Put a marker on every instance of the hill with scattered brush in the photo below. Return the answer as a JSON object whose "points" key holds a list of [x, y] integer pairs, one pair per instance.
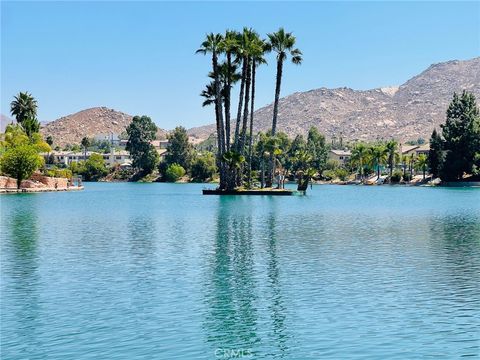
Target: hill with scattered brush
{"points": [[404, 112], [72, 128]]}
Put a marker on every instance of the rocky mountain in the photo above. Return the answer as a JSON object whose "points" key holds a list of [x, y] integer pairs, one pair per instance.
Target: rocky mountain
{"points": [[72, 128], [405, 112]]}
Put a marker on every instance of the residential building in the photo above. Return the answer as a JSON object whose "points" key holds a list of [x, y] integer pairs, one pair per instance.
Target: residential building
{"points": [[340, 156]]}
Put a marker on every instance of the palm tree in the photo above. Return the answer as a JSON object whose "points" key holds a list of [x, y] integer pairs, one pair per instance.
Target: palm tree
{"points": [[85, 143], [212, 45], [391, 148], [282, 43], [229, 47], [23, 106], [257, 60], [360, 157], [378, 157], [422, 163], [209, 94]]}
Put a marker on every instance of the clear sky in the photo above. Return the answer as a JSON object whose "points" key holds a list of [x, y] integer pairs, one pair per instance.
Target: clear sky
{"points": [[138, 57]]}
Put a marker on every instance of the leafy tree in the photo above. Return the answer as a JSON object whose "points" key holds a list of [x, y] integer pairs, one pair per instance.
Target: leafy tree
{"points": [[435, 155], [24, 106], [174, 172], [203, 167], [462, 137], [31, 126], [360, 157], [141, 131], [179, 150], [94, 168], [49, 140], [318, 149], [20, 162], [391, 149]]}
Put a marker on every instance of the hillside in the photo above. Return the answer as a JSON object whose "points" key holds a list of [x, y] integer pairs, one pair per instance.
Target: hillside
{"points": [[406, 112], [72, 128]]}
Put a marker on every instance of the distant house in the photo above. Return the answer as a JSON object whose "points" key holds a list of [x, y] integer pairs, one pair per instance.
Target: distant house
{"points": [[416, 150], [68, 157], [159, 144], [340, 156], [113, 139]]}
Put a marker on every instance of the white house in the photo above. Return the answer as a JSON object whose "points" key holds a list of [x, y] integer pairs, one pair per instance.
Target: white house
{"points": [[340, 156]]}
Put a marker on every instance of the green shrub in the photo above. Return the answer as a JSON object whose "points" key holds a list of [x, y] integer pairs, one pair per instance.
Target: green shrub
{"points": [[203, 167], [174, 172], [341, 173], [407, 177], [329, 174], [396, 176], [61, 173]]}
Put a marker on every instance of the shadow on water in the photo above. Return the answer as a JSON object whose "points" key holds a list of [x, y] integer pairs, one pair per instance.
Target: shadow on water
{"points": [[231, 321], [20, 246]]}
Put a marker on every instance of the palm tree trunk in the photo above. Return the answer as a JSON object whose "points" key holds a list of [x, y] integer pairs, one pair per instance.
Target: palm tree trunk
{"points": [[252, 108], [245, 108], [240, 104], [274, 120], [378, 171], [219, 123], [227, 101]]}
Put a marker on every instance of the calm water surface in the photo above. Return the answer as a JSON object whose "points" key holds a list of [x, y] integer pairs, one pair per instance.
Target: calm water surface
{"points": [[142, 271]]}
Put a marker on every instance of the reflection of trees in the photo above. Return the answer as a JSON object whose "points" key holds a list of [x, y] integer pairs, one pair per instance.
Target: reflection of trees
{"points": [[232, 319], [458, 239], [19, 245], [277, 309]]}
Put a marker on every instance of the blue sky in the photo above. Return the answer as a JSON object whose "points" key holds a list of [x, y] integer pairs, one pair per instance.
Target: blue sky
{"points": [[138, 57]]}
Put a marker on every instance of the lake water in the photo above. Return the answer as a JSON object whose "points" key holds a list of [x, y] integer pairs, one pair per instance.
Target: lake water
{"points": [[143, 271]]}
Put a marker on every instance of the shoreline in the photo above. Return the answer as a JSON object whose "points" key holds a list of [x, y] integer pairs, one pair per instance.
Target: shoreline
{"points": [[38, 190]]}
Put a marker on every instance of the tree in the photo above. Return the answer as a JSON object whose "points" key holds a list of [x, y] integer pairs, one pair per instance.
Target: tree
{"points": [[141, 131], [282, 43], [85, 144], [213, 45], [461, 133], [24, 106], [422, 163], [391, 149], [49, 140], [203, 167], [360, 157], [179, 150], [174, 172], [317, 148], [378, 157], [435, 155], [94, 168], [21, 162]]}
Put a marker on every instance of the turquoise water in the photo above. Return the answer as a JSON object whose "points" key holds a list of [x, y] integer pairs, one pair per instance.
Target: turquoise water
{"points": [[143, 271]]}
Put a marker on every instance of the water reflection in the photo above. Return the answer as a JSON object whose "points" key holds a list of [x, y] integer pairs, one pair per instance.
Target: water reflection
{"points": [[231, 321], [20, 246]]}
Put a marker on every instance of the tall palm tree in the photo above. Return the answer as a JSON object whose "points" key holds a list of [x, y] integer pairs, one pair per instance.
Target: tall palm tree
{"points": [[229, 47], [212, 45], [282, 43], [85, 143], [378, 157], [391, 148], [23, 106], [209, 94], [257, 60]]}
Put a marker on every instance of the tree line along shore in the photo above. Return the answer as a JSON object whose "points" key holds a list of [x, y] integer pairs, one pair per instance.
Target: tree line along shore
{"points": [[234, 156]]}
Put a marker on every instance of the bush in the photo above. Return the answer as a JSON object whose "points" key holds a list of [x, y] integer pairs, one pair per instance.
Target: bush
{"points": [[396, 176], [407, 177], [341, 173], [329, 174], [203, 167], [174, 172], [61, 173]]}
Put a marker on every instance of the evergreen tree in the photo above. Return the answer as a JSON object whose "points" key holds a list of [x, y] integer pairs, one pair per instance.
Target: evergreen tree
{"points": [[179, 150], [317, 148], [462, 137], [435, 155], [141, 131]]}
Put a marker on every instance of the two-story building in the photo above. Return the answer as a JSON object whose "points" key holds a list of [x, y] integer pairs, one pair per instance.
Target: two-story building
{"points": [[340, 156]]}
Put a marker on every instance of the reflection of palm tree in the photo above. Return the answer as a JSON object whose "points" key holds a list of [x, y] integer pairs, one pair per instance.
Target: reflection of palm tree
{"points": [[231, 291]]}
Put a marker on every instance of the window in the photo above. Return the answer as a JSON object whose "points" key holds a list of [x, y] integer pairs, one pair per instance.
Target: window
{"points": [[118, 157]]}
